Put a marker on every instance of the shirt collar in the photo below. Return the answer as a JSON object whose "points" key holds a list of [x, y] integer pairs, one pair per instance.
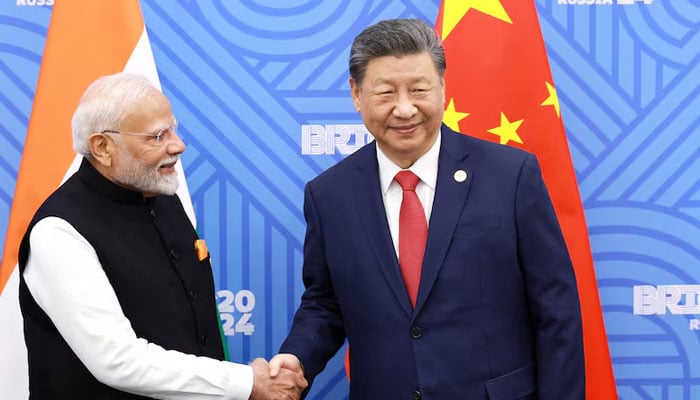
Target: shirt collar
{"points": [[425, 167]]}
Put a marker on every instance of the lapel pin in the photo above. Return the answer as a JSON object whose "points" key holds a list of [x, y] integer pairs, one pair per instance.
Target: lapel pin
{"points": [[460, 175]]}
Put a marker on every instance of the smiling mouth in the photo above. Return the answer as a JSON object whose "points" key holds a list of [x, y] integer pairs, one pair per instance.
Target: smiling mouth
{"points": [[169, 165], [405, 129]]}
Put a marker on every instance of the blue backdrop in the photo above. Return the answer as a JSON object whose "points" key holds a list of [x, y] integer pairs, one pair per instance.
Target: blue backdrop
{"points": [[260, 89]]}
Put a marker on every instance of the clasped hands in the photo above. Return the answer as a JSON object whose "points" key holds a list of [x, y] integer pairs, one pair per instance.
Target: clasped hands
{"points": [[280, 379]]}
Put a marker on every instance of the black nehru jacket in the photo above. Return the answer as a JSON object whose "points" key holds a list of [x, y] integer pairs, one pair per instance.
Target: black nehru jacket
{"points": [[146, 248]]}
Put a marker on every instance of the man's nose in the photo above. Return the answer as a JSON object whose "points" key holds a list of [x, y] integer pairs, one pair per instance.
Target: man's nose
{"points": [[404, 107], [175, 145]]}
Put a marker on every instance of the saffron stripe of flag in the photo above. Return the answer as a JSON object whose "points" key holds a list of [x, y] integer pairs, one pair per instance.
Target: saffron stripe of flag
{"points": [[499, 87], [85, 39]]}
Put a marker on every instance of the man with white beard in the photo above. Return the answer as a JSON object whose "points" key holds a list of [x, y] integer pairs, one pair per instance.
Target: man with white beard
{"points": [[116, 289]]}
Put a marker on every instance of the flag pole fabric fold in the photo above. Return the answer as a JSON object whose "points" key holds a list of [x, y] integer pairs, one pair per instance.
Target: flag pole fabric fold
{"points": [[85, 39], [499, 87]]}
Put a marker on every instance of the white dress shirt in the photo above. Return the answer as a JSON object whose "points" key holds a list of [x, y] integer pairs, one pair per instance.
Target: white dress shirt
{"points": [[425, 168], [65, 278]]}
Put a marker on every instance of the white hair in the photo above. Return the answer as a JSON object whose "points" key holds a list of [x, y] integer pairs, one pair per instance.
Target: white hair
{"points": [[105, 104]]}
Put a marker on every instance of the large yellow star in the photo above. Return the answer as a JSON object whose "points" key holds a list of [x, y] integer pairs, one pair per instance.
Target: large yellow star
{"points": [[452, 117], [508, 130], [456, 9], [553, 99]]}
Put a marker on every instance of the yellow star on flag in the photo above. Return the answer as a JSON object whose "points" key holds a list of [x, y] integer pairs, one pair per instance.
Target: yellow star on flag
{"points": [[456, 9], [452, 117], [508, 130], [553, 99]]}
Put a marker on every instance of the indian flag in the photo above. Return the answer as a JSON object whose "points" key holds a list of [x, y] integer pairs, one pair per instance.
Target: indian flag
{"points": [[86, 39]]}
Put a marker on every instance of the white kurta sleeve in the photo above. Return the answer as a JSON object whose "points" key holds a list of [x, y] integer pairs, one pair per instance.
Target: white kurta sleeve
{"points": [[65, 278]]}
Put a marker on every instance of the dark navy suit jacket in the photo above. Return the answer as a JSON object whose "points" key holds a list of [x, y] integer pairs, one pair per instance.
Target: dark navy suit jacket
{"points": [[497, 314]]}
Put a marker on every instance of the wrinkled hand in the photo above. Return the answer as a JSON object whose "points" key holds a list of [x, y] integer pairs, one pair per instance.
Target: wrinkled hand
{"points": [[287, 383]]}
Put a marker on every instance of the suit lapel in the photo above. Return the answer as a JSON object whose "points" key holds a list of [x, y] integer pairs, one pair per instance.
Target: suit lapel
{"points": [[450, 196], [372, 215]]}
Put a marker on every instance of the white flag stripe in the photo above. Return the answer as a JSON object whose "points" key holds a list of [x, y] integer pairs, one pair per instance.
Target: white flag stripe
{"points": [[142, 62]]}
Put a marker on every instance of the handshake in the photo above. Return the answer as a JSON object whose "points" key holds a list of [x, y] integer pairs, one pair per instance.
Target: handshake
{"points": [[280, 379]]}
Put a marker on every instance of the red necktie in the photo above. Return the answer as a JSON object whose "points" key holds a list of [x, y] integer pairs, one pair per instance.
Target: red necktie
{"points": [[413, 233]]}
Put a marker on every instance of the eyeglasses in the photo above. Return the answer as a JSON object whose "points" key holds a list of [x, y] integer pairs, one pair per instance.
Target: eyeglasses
{"points": [[156, 139]]}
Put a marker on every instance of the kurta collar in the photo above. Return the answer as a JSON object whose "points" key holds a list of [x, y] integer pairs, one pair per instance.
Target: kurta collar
{"points": [[96, 181]]}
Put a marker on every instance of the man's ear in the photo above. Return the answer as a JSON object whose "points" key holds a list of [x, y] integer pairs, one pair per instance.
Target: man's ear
{"points": [[442, 89], [355, 93], [101, 148]]}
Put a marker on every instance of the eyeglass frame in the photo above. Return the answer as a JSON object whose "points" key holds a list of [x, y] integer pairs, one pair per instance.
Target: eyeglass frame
{"points": [[158, 135]]}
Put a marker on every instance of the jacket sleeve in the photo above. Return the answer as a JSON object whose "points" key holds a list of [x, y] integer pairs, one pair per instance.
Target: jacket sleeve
{"points": [[317, 330], [551, 290]]}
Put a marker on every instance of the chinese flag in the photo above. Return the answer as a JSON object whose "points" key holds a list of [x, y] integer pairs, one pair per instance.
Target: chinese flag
{"points": [[85, 39], [499, 88]]}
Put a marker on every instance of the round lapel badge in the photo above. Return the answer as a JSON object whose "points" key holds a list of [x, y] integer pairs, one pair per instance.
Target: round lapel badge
{"points": [[460, 175]]}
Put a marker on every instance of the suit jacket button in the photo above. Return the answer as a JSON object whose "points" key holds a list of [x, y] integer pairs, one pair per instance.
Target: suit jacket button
{"points": [[416, 332], [417, 395]]}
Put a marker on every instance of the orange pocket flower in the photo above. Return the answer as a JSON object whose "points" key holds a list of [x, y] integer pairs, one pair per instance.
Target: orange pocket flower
{"points": [[201, 247]]}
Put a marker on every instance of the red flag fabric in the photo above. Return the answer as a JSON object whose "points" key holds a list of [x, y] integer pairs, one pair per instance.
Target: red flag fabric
{"points": [[499, 87]]}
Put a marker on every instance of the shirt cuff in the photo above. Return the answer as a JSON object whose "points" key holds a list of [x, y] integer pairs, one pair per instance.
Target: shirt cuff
{"points": [[240, 381]]}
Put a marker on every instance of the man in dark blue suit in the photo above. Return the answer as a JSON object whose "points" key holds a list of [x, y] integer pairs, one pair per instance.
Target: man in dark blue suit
{"points": [[492, 310]]}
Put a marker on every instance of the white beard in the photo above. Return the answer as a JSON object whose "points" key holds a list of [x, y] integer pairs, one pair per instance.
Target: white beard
{"points": [[131, 173]]}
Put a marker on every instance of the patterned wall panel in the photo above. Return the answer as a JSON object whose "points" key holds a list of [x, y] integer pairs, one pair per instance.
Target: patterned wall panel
{"points": [[22, 36], [249, 81], [629, 78]]}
